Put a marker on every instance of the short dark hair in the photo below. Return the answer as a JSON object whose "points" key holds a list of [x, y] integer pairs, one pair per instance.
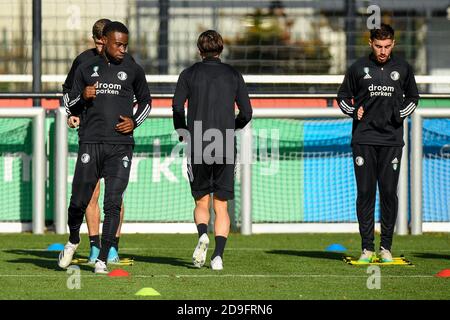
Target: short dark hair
{"points": [[115, 26], [384, 32], [210, 43], [97, 28]]}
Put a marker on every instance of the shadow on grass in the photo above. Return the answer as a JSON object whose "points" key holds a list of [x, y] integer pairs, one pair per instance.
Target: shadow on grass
{"points": [[49, 259], [173, 261], [310, 254], [426, 255], [37, 253], [43, 259]]}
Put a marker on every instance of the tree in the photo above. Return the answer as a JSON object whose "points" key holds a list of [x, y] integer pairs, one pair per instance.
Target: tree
{"points": [[265, 47]]}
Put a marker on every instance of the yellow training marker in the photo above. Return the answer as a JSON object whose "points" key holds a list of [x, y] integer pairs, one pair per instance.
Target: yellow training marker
{"points": [[399, 261], [147, 292], [123, 262]]}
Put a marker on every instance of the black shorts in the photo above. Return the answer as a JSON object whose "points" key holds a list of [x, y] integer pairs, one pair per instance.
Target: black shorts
{"points": [[212, 178], [96, 161], [101, 160]]}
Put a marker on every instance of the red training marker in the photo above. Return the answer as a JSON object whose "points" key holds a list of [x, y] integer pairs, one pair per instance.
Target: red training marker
{"points": [[443, 273], [118, 273]]}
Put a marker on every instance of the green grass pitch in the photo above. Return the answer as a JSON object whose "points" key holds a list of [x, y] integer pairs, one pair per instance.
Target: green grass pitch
{"points": [[266, 267]]}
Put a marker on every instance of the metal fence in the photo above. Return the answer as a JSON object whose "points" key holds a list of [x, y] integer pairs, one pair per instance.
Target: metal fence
{"points": [[415, 200], [60, 190], [262, 37]]}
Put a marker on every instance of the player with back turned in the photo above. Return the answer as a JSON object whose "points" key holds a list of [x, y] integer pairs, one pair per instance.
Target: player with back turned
{"points": [[211, 88]]}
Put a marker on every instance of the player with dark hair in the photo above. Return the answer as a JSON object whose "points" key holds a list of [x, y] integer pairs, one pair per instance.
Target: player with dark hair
{"points": [[379, 91], [211, 89], [104, 85], [93, 209]]}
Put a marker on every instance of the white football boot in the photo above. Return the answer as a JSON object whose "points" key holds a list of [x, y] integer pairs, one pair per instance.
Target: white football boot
{"points": [[100, 267], [386, 255], [367, 256], [217, 263], [66, 256], [199, 256]]}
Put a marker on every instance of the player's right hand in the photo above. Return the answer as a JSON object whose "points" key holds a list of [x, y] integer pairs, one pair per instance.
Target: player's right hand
{"points": [[360, 113], [73, 122], [89, 92]]}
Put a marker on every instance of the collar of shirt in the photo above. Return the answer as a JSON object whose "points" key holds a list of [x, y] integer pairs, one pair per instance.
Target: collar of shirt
{"points": [[211, 59]]}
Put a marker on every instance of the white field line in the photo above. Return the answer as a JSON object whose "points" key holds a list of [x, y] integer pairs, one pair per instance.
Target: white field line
{"points": [[429, 250], [64, 275]]}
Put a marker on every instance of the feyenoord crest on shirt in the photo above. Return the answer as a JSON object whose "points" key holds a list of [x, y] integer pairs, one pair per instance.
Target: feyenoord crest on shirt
{"points": [[122, 75], [395, 75], [366, 71]]}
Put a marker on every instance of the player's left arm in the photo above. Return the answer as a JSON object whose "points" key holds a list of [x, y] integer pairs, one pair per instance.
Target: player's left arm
{"points": [[411, 99], [179, 99], [142, 102], [142, 96], [243, 102]]}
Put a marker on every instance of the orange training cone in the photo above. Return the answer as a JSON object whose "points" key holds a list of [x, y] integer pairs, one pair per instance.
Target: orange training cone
{"points": [[118, 273], [443, 273]]}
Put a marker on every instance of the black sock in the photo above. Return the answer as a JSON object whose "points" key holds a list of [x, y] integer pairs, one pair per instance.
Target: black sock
{"points": [[116, 243], [202, 228], [74, 236], [220, 247], [94, 241]]}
